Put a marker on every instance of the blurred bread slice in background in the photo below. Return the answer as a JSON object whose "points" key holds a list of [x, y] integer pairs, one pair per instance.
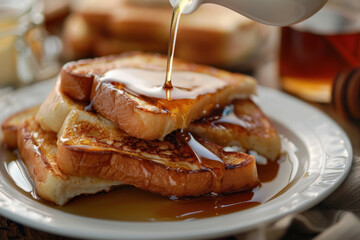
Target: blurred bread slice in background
{"points": [[212, 35], [55, 13]]}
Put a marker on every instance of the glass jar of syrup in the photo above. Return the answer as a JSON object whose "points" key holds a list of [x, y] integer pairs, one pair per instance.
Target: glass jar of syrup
{"points": [[313, 52], [26, 52]]}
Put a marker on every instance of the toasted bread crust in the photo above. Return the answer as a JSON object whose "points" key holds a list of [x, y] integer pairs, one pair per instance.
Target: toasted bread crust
{"points": [[77, 76], [92, 146], [38, 150], [254, 131], [9, 136], [36, 163], [10, 126], [140, 123], [78, 86], [154, 177]]}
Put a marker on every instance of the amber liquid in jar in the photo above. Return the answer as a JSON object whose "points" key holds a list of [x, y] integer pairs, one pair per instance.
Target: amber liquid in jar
{"points": [[309, 62]]}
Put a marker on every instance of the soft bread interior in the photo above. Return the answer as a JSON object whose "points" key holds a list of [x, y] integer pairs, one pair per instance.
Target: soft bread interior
{"points": [[55, 108]]}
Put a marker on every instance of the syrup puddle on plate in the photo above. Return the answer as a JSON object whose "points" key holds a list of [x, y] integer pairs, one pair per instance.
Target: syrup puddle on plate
{"points": [[127, 203]]}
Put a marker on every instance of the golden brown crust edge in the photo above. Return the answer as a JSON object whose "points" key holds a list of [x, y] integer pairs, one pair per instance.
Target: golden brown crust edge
{"points": [[33, 160], [257, 132], [38, 151], [9, 136], [11, 124], [122, 111], [75, 85], [78, 85], [153, 177]]}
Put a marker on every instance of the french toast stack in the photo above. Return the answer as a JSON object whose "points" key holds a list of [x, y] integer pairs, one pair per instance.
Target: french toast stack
{"points": [[94, 132], [212, 35]]}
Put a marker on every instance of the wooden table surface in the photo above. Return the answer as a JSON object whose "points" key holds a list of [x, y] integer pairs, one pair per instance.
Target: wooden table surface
{"points": [[11, 230]]}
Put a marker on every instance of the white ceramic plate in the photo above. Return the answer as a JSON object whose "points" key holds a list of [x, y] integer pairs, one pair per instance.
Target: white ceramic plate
{"points": [[324, 159]]}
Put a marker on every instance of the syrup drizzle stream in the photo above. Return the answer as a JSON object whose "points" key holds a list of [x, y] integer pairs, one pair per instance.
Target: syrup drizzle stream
{"points": [[18, 172], [206, 159], [178, 9]]}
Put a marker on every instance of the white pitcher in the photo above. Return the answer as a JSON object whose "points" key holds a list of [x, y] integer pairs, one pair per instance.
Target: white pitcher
{"points": [[271, 12]]}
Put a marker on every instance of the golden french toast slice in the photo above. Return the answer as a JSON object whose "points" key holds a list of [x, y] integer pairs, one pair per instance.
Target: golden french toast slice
{"points": [[240, 124], [245, 125], [10, 126], [181, 165], [38, 150], [128, 91]]}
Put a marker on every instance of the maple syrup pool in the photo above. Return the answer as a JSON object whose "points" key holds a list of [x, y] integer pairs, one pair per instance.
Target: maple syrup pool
{"points": [[127, 203]]}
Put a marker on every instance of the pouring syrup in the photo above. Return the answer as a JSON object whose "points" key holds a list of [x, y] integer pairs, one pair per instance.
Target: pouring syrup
{"points": [[178, 9]]}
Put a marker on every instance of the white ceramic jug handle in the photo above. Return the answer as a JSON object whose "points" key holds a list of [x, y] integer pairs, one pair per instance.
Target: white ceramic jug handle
{"points": [[271, 12]]}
